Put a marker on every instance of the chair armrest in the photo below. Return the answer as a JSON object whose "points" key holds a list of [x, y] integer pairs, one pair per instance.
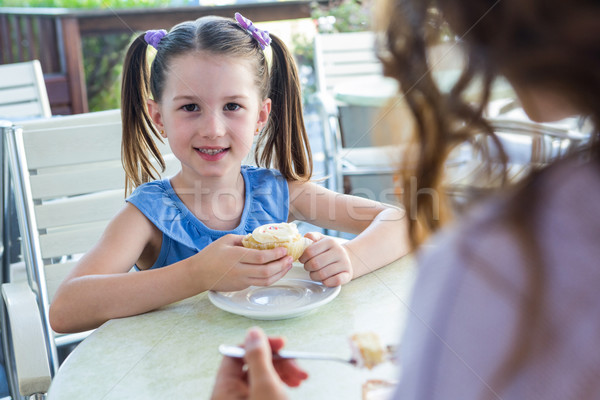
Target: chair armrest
{"points": [[29, 346]]}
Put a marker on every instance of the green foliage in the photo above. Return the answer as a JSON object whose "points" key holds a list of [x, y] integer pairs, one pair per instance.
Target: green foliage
{"points": [[103, 63], [342, 16]]}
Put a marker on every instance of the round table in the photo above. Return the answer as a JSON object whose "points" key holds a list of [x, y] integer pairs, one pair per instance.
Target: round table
{"points": [[171, 353]]}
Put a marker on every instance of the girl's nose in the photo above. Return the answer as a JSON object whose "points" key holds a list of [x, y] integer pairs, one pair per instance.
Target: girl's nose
{"points": [[213, 126]]}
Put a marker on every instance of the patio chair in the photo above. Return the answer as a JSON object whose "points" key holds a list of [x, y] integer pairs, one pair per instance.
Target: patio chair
{"points": [[23, 91], [68, 183], [528, 145], [349, 151], [347, 69]]}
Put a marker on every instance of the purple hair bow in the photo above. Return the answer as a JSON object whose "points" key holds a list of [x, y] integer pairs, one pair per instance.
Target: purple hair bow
{"points": [[262, 37], [153, 37]]}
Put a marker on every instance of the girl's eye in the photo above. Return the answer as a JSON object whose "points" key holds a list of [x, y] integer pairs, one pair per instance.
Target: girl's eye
{"points": [[231, 106], [191, 107]]}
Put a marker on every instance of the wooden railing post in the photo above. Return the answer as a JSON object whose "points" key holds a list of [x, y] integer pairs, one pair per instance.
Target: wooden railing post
{"points": [[73, 58]]}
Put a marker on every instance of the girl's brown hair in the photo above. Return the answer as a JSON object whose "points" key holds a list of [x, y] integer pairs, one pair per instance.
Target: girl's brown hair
{"points": [[550, 44], [283, 143]]}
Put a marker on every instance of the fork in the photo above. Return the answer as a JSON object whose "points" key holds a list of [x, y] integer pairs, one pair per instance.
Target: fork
{"points": [[239, 352]]}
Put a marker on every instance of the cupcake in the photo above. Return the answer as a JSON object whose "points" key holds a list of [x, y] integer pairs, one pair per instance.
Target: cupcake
{"points": [[271, 236]]}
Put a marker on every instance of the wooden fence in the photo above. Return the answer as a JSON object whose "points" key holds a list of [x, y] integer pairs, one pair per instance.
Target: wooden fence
{"points": [[54, 36]]}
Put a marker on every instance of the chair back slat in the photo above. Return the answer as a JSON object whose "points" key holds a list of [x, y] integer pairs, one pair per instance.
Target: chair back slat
{"points": [[88, 179], [17, 74], [78, 181], [63, 146], [19, 94], [76, 210], [20, 110], [23, 92], [74, 241], [348, 41], [342, 56]]}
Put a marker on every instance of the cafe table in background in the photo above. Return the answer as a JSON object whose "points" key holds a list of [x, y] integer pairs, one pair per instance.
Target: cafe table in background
{"points": [[172, 353]]}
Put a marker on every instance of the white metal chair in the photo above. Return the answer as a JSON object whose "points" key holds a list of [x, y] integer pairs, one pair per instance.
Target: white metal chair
{"points": [[23, 91], [527, 145], [350, 153], [68, 183]]}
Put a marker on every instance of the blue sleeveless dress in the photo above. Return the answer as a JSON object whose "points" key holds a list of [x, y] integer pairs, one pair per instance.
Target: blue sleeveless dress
{"points": [[266, 201]]}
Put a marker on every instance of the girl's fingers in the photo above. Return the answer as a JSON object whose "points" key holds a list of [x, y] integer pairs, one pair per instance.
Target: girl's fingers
{"points": [[322, 261], [322, 274], [270, 273], [315, 249], [337, 279], [233, 240], [314, 236], [261, 257]]}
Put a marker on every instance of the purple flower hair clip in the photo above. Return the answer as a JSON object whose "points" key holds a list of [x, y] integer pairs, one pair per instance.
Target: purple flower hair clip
{"points": [[153, 37], [262, 37]]}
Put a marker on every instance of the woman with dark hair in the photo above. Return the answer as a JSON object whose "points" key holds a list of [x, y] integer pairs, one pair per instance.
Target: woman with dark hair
{"points": [[507, 302]]}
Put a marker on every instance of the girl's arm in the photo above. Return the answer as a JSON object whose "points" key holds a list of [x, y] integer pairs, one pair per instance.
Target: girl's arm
{"points": [[100, 287], [382, 232]]}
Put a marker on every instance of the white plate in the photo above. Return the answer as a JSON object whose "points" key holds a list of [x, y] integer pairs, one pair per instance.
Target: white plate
{"points": [[293, 295]]}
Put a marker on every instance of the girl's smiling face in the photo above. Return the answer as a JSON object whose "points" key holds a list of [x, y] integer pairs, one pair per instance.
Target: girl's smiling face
{"points": [[210, 111]]}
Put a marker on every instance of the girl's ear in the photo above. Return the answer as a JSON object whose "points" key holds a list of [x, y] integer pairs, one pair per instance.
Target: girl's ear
{"points": [[263, 114], [154, 111]]}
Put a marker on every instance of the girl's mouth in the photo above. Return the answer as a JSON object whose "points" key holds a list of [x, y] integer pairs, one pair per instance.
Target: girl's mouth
{"points": [[212, 154]]}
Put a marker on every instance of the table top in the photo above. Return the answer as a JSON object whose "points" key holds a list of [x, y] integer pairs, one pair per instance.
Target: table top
{"points": [[367, 91], [377, 90], [172, 352]]}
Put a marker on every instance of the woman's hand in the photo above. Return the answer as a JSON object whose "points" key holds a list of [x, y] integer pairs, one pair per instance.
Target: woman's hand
{"points": [[225, 265], [327, 260], [264, 378]]}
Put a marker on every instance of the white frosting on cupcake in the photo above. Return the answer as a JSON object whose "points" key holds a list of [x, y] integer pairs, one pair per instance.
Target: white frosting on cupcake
{"points": [[281, 232]]}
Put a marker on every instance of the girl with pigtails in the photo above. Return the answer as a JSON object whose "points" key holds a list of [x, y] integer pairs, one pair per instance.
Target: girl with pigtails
{"points": [[210, 90]]}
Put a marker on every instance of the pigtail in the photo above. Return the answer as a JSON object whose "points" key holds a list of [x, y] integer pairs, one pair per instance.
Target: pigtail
{"points": [[138, 131], [285, 141]]}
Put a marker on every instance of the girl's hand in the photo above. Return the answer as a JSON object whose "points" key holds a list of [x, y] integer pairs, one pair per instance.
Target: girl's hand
{"points": [[327, 260], [225, 265], [264, 378]]}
